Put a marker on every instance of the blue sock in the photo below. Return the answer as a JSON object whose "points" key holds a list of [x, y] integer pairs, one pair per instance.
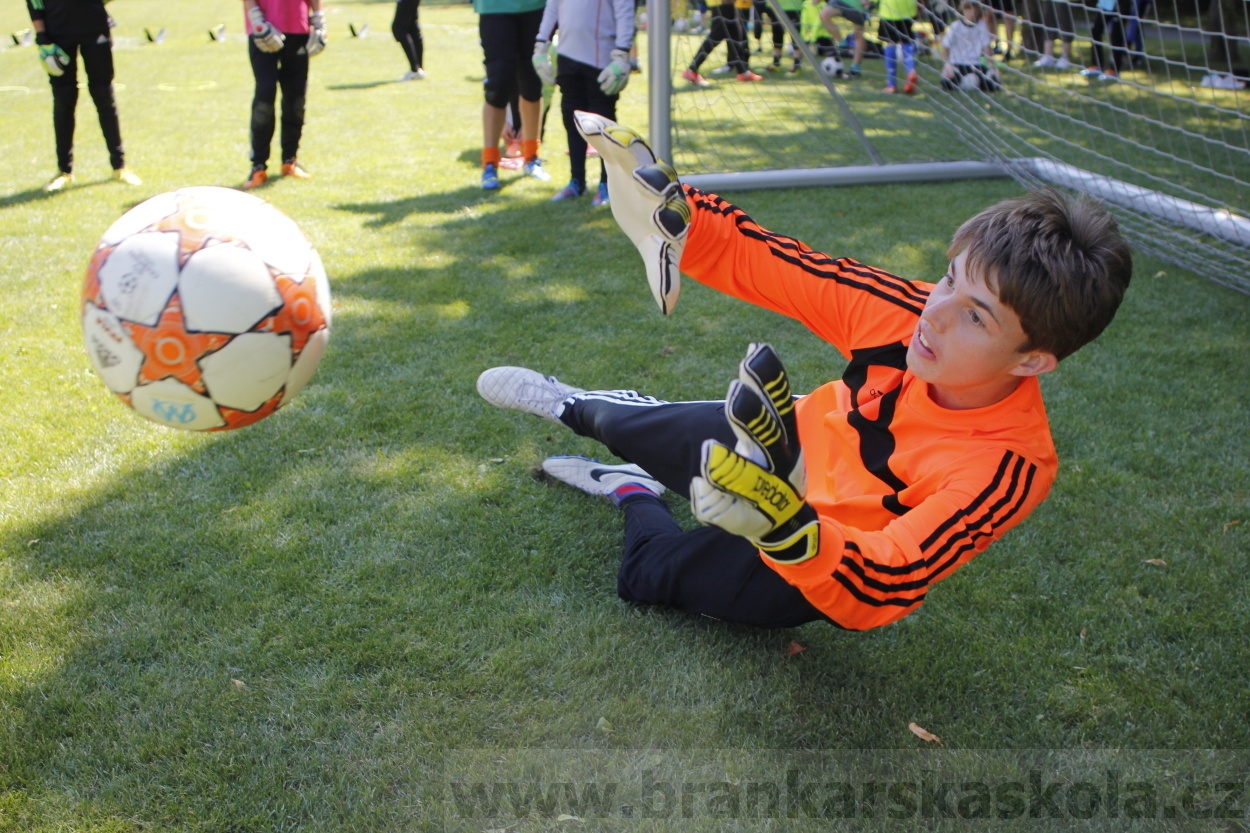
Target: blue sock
{"points": [[628, 490], [909, 57], [891, 64]]}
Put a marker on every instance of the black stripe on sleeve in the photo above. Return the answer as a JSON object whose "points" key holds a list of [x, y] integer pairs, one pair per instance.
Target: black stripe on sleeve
{"points": [[869, 600]]}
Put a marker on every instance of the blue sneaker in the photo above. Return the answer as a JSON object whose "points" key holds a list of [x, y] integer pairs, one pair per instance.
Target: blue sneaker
{"points": [[571, 191], [490, 177], [601, 196], [534, 168]]}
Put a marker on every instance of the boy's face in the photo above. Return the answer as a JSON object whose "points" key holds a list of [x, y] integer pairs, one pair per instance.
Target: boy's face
{"points": [[967, 343]]}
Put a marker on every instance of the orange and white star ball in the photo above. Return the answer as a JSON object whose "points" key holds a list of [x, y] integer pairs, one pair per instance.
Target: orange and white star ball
{"points": [[205, 309]]}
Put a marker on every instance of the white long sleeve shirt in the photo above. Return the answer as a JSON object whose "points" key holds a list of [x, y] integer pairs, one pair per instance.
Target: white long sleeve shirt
{"points": [[589, 29]]}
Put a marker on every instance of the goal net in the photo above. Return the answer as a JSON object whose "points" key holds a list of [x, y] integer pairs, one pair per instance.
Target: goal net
{"points": [[1158, 129]]}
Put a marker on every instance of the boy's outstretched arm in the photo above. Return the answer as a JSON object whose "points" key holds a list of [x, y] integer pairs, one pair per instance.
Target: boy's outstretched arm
{"points": [[845, 302], [680, 229]]}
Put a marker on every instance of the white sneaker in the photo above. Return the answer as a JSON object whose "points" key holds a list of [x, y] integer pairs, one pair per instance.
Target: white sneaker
{"points": [[535, 169], [594, 478], [521, 389], [126, 177], [1063, 63], [413, 75], [59, 182], [647, 202], [1044, 62]]}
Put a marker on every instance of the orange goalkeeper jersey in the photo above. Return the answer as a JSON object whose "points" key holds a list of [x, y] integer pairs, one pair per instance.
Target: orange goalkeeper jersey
{"points": [[906, 491]]}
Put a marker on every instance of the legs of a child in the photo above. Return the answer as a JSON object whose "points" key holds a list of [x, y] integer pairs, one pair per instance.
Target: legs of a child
{"points": [[579, 90], [706, 570], [664, 438], [892, 33]]}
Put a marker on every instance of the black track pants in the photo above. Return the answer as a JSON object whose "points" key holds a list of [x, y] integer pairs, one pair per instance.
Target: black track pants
{"points": [[579, 90], [97, 59], [706, 570], [288, 69], [407, 30]]}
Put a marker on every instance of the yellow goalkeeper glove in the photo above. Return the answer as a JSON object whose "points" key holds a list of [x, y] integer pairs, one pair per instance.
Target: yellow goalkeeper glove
{"points": [[757, 489]]}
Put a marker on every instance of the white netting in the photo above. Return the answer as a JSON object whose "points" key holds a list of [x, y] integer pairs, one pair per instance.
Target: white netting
{"points": [[1160, 130]]}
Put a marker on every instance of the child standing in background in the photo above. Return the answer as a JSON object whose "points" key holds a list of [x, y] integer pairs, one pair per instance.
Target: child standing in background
{"points": [[792, 10], [592, 67], [895, 30], [1109, 20], [407, 30]]}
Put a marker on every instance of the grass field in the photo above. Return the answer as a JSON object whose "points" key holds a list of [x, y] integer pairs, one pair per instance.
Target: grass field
{"points": [[302, 625]]}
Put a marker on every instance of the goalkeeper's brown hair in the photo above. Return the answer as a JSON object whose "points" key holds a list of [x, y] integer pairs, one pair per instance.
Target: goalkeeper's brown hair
{"points": [[1059, 262]]}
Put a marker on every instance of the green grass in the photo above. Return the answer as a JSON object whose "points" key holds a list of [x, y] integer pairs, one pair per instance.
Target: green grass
{"points": [[297, 625]]}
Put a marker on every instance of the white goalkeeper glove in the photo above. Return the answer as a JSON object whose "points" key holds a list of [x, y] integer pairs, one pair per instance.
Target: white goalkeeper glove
{"points": [[542, 62], [647, 202], [614, 77], [757, 489], [53, 57], [316, 33], [262, 32]]}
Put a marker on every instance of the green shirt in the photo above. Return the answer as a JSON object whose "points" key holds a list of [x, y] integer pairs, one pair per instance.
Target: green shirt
{"points": [[507, 6], [897, 9]]}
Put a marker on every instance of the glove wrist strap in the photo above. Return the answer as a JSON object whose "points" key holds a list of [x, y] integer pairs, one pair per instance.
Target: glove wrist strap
{"points": [[797, 541]]}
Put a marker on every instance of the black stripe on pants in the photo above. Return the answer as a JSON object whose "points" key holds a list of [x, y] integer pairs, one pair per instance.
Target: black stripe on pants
{"points": [[287, 69], [706, 571], [579, 90], [97, 59], [407, 30]]}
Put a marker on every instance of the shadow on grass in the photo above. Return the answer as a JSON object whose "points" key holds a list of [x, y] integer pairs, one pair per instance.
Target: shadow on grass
{"points": [[455, 203], [300, 620], [310, 612], [35, 194], [364, 85], [23, 197]]}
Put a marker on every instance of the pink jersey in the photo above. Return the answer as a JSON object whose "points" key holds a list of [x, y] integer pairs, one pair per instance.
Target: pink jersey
{"points": [[289, 17]]}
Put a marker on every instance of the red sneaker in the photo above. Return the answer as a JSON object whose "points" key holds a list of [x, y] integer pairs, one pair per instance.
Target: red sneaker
{"points": [[909, 88], [293, 170], [749, 76], [258, 177], [695, 78]]}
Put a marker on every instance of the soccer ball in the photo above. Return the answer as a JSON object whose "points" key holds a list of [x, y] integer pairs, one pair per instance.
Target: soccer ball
{"points": [[681, 25], [831, 67], [205, 309]]}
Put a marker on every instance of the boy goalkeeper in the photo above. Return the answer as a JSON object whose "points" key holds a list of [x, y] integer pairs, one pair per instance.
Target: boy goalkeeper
{"points": [[848, 503]]}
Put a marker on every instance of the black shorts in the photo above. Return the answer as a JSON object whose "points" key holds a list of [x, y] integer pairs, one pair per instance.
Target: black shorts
{"points": [[1002, 6], [507, 45], [895, 31]]}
